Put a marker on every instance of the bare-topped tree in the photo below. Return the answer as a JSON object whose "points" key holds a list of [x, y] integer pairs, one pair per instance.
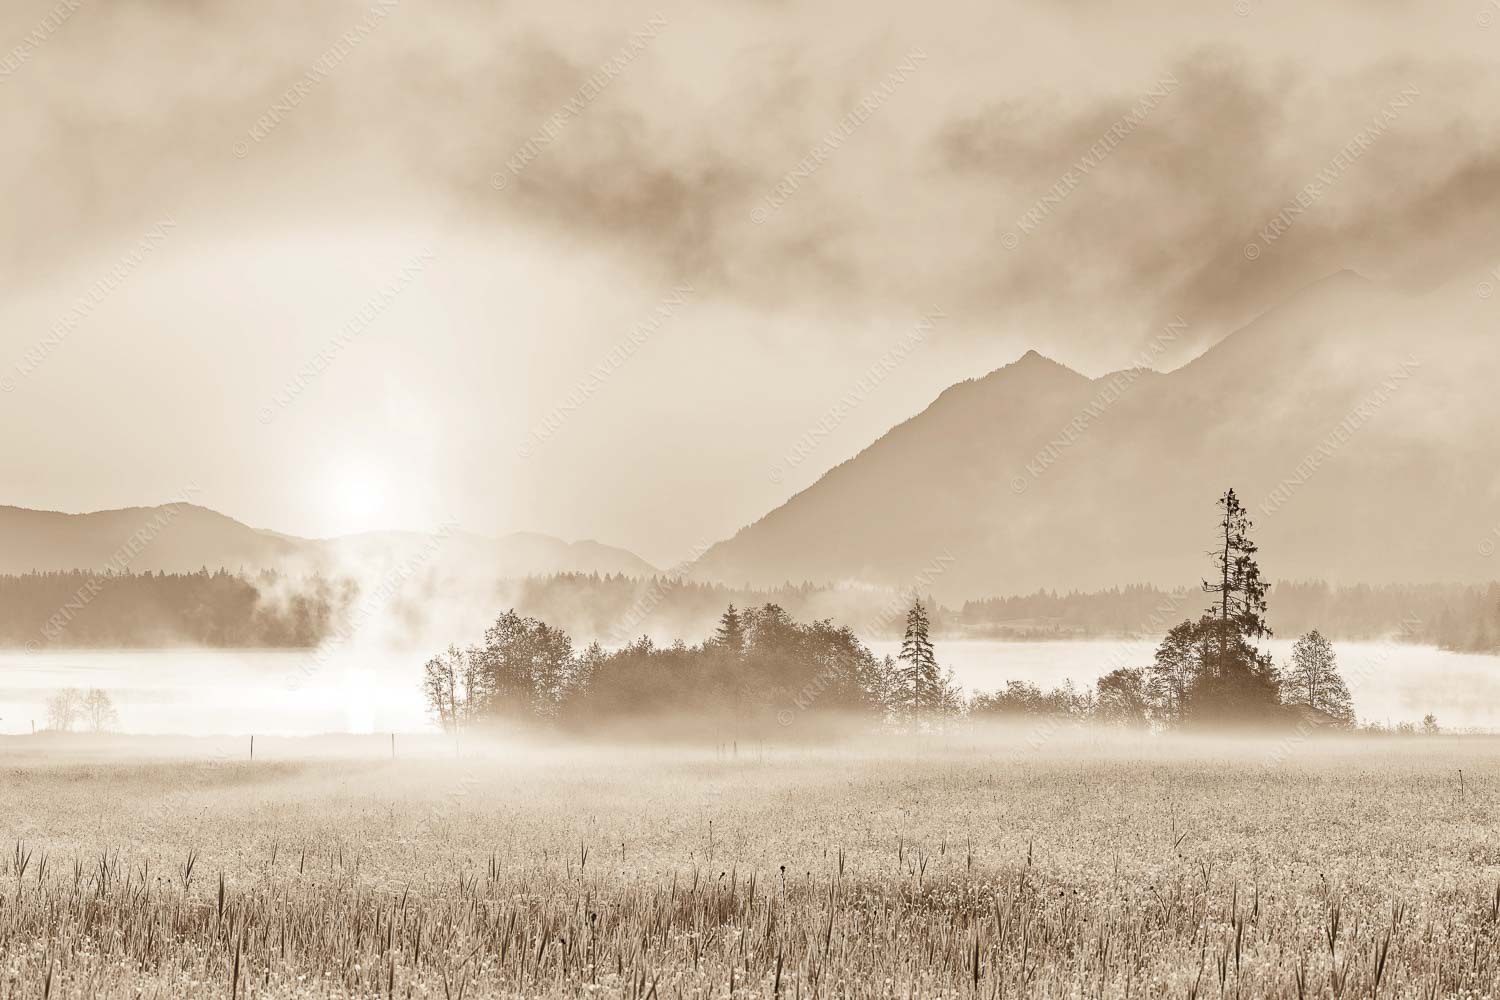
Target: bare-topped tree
{"points": [[99, 711], [64, 710], [453, 687]]}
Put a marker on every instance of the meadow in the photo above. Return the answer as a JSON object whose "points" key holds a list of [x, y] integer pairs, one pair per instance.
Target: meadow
{"points": [[1048, 863]]}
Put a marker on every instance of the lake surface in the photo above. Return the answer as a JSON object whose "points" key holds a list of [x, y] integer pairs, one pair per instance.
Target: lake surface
{"points": [[202, 692]]}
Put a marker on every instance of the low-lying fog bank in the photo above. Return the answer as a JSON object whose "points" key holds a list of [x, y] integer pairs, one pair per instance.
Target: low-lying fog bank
{"points": [[674, 743], [203, 692]]}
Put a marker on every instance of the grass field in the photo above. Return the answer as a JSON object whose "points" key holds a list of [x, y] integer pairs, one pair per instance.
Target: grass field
{"points": [[1086, 866]]}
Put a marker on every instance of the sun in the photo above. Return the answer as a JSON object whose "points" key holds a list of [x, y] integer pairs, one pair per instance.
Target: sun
{"points": [[355, 496]]}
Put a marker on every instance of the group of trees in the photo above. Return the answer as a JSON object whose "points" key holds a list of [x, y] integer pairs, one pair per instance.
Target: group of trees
{"points": [[760, 669], [761, 665], [1213, 672], [1023, 698], [93, 710], [1210, 671], [1191, 682], [1310, 689], [148, 609]]}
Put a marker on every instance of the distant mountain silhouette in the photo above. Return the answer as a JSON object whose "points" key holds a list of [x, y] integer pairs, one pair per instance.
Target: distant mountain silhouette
{"points": [[1357, 425], [185, 537]]}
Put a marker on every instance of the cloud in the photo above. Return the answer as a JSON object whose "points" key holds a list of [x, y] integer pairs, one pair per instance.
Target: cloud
{"points": [[1376, 171], [818, 196], [700, 116]]}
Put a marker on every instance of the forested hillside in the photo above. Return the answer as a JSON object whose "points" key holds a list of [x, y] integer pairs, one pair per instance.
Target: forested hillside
{"points": [[80, 609], [1452, 616]]}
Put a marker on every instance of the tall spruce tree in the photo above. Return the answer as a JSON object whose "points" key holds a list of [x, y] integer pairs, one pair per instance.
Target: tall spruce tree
{"points": [[1233, 681], [1241, 684], [920, 679], [731, 631], [1241, 604]]}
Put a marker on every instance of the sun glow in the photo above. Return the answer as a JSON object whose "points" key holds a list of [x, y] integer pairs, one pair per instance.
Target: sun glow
{"points": [[356, 496]]}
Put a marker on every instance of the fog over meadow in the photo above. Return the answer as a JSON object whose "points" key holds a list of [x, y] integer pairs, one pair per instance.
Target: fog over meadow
{"points": [[365, 690]]}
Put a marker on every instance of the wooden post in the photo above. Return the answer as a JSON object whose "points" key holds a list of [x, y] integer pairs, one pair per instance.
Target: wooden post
{"points": [[393, 746], [252, 746]]}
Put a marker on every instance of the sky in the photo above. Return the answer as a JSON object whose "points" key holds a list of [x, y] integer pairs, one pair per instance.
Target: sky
{"points": [[640, 272]]}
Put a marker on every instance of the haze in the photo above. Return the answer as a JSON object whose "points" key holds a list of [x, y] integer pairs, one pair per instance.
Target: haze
{"points": [[377, 185]]}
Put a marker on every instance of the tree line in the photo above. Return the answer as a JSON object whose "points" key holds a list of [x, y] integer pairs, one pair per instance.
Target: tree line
{"points": [[592, 605], [126, 609], [223, 609], [1455, 617], [762, 668]]}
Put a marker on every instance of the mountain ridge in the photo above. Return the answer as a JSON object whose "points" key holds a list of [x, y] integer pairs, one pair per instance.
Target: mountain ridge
{"points": [[182, 536], [1035, 475]]}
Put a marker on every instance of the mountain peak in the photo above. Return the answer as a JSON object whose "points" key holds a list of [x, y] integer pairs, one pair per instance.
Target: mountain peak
{"points": [[1033, 374], [1035, 359], [1345, 276], [1034, 475], [1037, 370]]}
